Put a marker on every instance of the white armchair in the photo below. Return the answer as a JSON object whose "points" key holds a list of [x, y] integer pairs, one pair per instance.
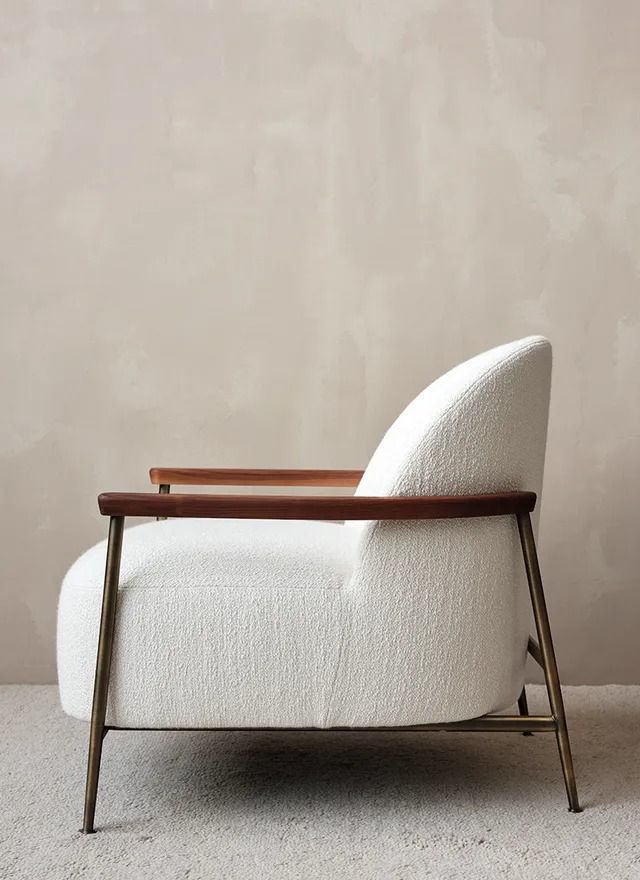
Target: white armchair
{"points": [[260, 612]]}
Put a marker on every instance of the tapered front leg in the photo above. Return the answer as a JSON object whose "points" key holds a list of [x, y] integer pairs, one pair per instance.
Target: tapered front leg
{"points": [[550, 666], [103, 668]]}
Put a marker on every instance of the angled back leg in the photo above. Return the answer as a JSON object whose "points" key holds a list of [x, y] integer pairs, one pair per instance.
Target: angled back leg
{"points": [[548, 656]]}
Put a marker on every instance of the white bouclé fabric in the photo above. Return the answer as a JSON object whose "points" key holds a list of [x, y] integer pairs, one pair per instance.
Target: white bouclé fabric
{"points": [[444, 602], [220, 623], [249, 623]]}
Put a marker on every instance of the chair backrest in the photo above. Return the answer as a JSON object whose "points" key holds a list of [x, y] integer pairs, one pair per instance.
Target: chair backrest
{"points": [[438, 622], [481, 427]]}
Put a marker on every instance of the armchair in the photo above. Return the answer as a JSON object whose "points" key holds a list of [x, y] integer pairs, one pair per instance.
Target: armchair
{"points": [[246, 612]]}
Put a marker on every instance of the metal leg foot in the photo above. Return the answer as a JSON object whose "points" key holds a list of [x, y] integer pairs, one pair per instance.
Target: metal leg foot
{"points": [[564, 748]]}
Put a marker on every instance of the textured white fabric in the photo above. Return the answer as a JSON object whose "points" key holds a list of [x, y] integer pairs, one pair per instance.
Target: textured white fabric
{"points": [[436, 624], [220, 623], [206, 553], [291, 624]]}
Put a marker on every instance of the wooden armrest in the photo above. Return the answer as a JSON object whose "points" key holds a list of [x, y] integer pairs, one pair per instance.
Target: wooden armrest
{"points": [[252, 477], [315, 507]]}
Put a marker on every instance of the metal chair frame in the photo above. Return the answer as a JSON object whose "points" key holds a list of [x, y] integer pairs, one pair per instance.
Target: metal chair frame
{"points": [[541, 650]]}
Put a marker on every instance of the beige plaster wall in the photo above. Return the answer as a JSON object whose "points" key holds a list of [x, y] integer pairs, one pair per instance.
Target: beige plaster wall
{"points": [[246, 233]]}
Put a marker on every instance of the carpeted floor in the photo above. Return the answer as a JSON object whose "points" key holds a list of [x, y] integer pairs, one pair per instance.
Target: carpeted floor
{"points": [[265, 805]]}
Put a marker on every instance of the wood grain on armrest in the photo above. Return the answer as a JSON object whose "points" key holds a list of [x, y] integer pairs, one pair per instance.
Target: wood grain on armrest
{"points": [[315, 507], [253, 477]]}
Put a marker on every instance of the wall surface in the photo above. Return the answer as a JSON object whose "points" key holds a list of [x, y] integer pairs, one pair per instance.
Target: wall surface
{"points": [[248, 233]]}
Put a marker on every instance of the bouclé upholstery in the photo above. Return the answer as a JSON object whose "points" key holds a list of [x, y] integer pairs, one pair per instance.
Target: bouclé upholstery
{"points": [[245, 623]]}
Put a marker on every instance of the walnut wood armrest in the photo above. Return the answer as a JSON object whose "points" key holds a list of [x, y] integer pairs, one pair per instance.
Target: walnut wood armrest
{"points": [[252, 477], [315, 507]]}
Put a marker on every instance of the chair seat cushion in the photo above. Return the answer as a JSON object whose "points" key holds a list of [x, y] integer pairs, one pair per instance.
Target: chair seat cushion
{"points": [[193, 553], [220, 623]]}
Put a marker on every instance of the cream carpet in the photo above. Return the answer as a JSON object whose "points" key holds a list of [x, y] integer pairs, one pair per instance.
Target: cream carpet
{"points": [[265, 805]]}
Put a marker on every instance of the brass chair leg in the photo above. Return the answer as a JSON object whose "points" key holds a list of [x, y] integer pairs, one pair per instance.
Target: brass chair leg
{"points": [[523, 708], [550, 667], [103, 668]]}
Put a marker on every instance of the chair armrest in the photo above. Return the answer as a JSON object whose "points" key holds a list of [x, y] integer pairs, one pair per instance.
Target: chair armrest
{"points": [[315, 507], [252, 477]]}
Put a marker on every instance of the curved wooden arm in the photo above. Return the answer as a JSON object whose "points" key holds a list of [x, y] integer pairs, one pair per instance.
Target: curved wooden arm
{"points": [[315, 507], [252, 477]]}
